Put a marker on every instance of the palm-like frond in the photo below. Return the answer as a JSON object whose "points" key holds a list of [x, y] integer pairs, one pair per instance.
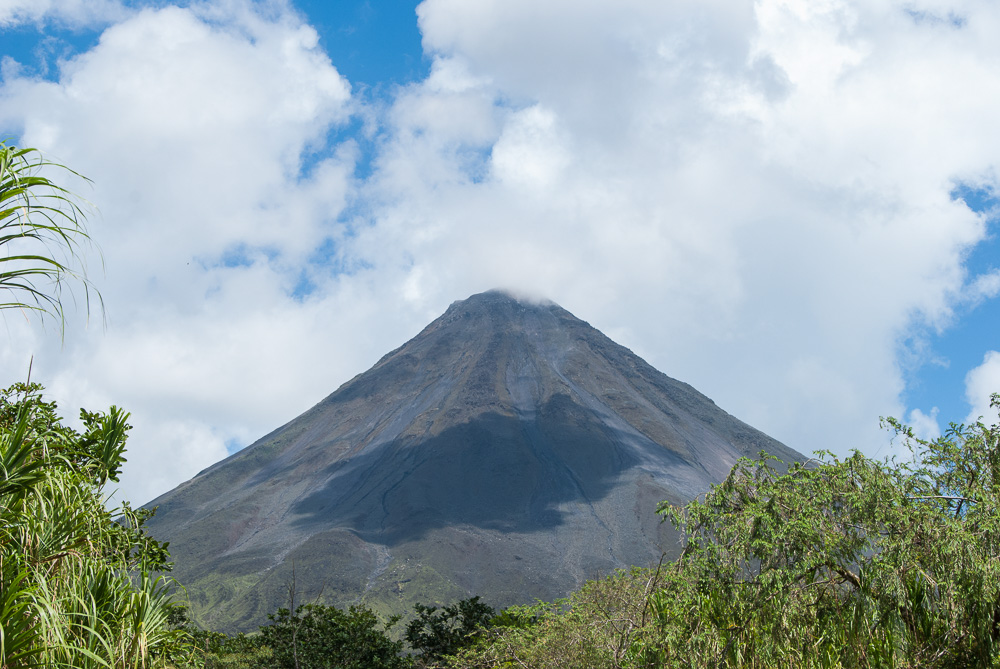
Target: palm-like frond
{"points": [[42, 229], [19, 471]]}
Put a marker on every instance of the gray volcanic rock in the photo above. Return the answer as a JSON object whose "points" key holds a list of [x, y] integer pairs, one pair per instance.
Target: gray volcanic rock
{"points": [[509, 450]]}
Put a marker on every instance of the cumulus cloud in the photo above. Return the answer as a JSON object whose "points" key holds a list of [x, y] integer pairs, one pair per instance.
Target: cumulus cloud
{"points": [[984, 287], [193, 124], [925, 425], [70, 13], [980, 384], [754, 196]]}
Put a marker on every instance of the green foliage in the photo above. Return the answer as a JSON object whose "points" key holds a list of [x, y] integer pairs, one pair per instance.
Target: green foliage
{"points": [[841, 563], [435, 632], [313, 637], [41, 231], [77, 581], [214, 650], [320, 637], [595, 628]]}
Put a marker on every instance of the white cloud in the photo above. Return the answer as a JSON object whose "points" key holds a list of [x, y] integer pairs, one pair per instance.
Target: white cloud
{"points": [[983, 287], [925, 425], [980, 384], [192, 124], [529, 152], [756, 197], [166, 451], [70, 13]]}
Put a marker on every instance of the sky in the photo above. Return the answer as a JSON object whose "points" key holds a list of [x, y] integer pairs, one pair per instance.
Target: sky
{"points": [[790, 205]]}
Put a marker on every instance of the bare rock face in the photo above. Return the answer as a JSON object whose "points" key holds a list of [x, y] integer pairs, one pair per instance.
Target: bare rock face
{"points": [[509, 450]]}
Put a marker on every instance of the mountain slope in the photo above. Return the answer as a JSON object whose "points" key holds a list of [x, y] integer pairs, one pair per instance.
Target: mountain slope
{"points": [[508, 450]]}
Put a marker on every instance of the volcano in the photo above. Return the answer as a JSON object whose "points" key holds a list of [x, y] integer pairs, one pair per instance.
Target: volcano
{"points": [[509, 450]]}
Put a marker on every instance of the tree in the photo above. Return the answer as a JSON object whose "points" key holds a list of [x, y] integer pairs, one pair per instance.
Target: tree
{"points": [[435, 632], [594, 628], [840, 563], [316, 636], [42, 228]]}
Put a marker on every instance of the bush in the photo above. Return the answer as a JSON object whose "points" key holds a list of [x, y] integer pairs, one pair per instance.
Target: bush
{"points": [[436, 633], [594, 628], [78, 583], [321, 637]]}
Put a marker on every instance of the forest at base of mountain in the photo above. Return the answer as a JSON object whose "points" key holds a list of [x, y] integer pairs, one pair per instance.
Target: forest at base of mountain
{"points": [[833, 563]]}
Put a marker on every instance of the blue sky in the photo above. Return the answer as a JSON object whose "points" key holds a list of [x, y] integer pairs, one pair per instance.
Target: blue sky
{"points": [[788, 204], [938, 378], [372, 44]]}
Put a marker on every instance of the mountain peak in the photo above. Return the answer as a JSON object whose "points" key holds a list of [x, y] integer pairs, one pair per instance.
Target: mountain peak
{"points": [[500, 302], [503, 295], [509, 450]]}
